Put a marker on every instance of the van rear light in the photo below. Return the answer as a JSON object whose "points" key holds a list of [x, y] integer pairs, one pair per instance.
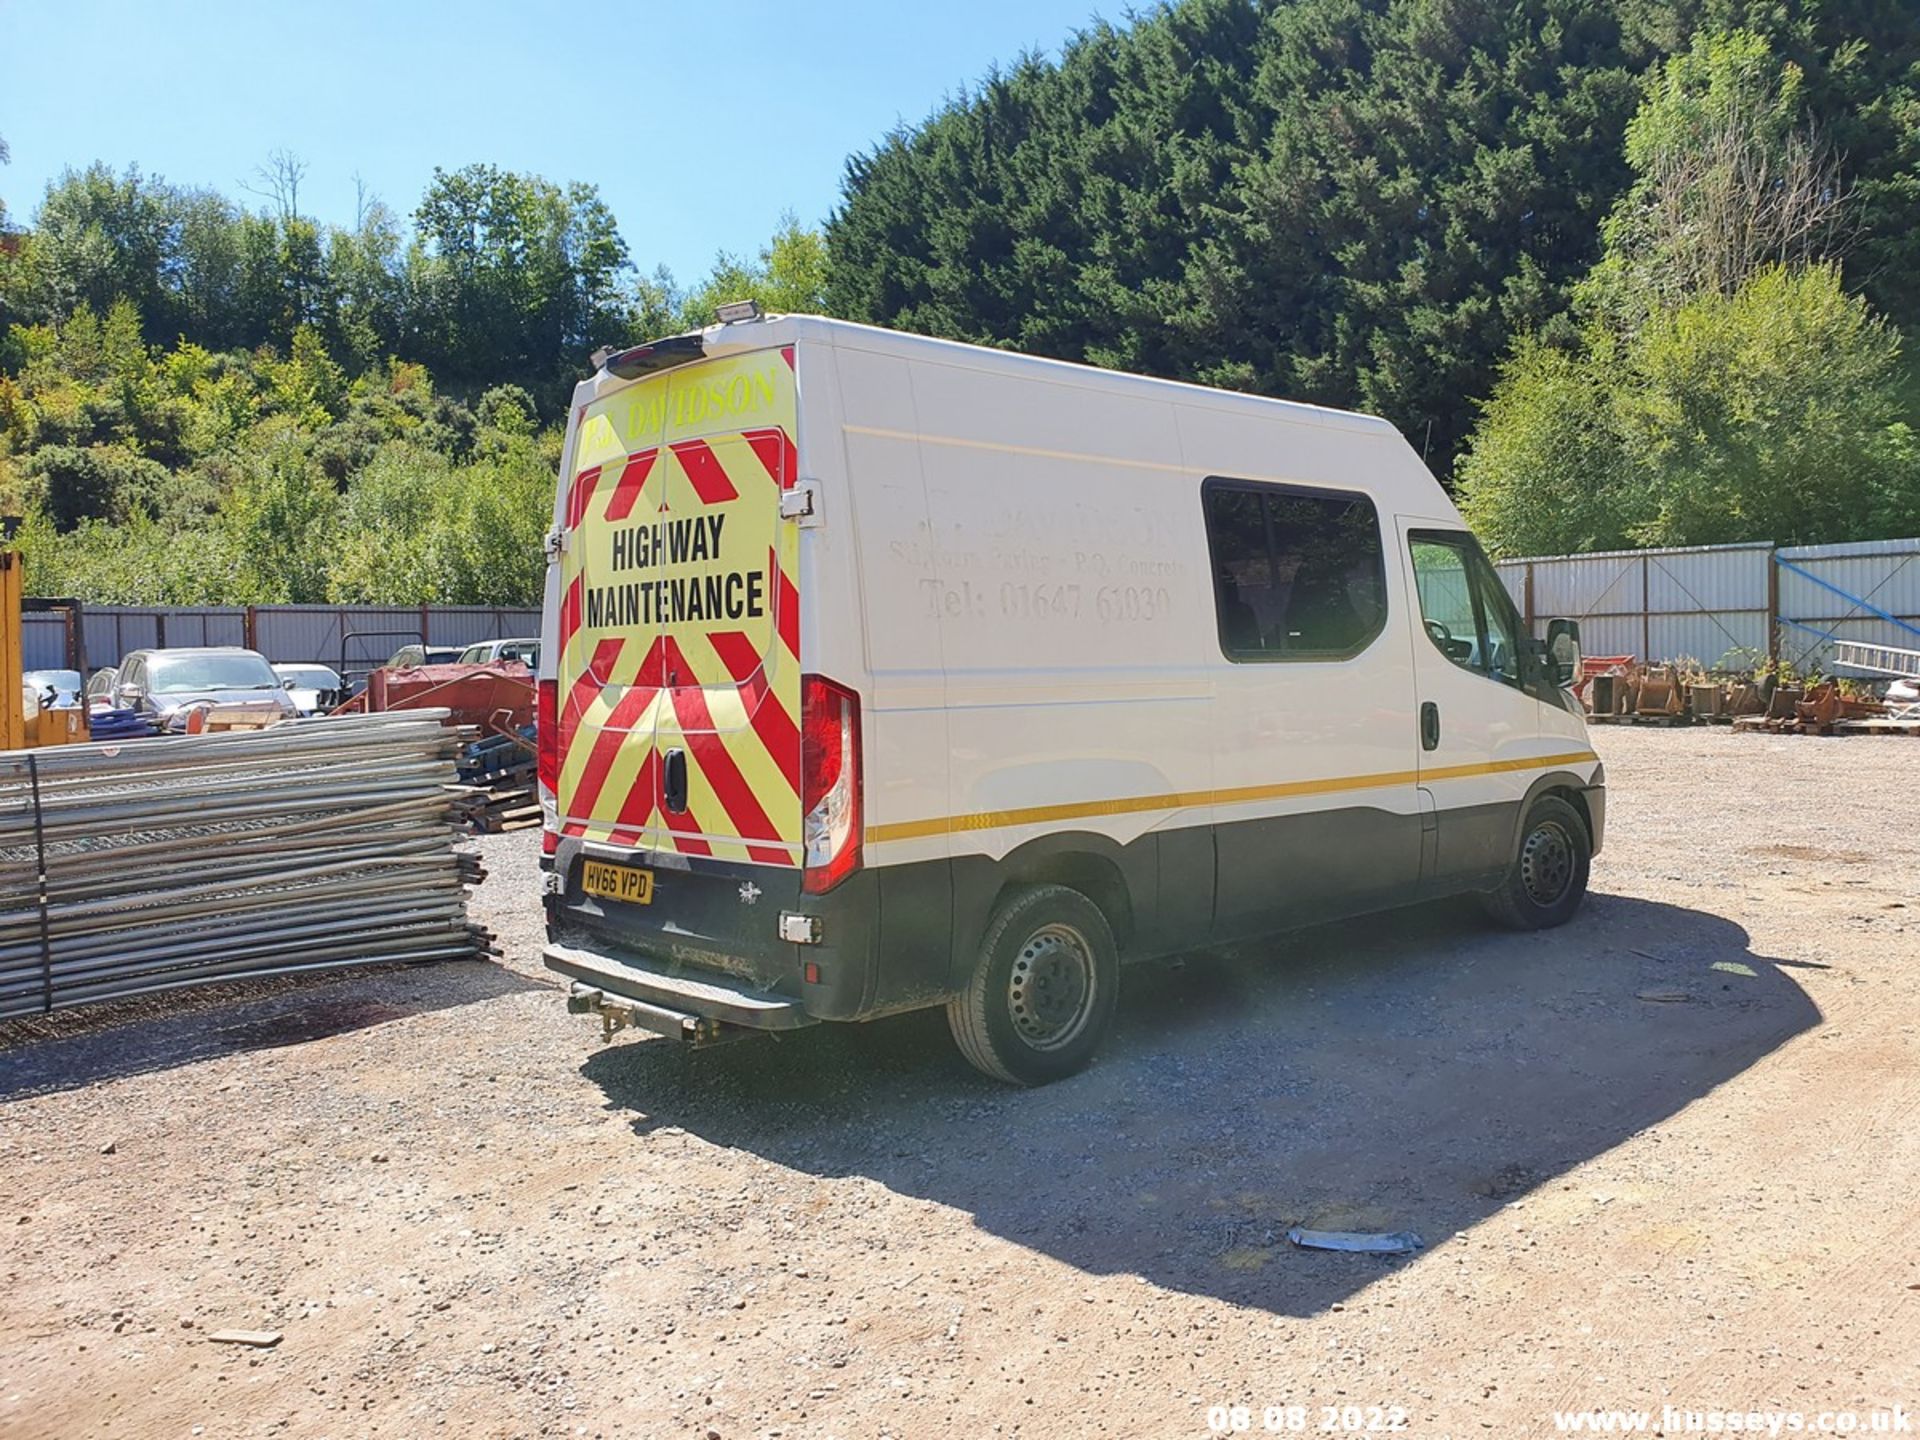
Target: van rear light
{"points": [[546, 730], [830, 782], [546, 740]]}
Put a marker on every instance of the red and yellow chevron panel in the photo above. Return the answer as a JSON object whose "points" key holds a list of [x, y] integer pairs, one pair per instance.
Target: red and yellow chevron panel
{"points": [[680, 615]]}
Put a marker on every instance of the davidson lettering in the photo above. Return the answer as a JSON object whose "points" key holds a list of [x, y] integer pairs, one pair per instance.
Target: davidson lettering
{"points": [[697, 400], [701, 399]]}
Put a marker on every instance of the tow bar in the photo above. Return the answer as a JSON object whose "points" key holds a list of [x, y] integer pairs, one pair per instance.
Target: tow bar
{"points": [[617, 1012]]}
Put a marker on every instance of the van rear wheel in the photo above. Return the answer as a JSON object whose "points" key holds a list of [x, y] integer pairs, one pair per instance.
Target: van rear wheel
{"points": [[1548, 879], [1043, 991]]}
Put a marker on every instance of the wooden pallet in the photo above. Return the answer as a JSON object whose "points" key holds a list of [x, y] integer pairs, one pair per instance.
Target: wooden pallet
{"points": [[491, 810], [1664, 721], [1877, 727], [521, 817], [1759, 724]]}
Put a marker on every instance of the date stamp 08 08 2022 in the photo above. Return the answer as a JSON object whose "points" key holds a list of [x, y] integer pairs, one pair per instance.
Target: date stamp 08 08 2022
{"points": [[1307, 1419]]}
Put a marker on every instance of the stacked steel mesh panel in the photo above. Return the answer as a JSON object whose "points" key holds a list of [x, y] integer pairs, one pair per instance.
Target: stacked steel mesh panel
{"points": [[126, 869]]}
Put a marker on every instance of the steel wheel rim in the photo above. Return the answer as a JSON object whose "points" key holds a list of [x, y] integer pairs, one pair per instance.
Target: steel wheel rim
{"points": [[1546, 864], [1050, 991]]}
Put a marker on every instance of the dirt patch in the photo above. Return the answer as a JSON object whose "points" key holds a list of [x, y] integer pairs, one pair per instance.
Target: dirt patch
{"points": [[1813, 854], [469, 1217]]}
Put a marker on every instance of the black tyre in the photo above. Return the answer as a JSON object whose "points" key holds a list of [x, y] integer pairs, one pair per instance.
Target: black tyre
{"points": [[1042, 994], [1548, 879]]}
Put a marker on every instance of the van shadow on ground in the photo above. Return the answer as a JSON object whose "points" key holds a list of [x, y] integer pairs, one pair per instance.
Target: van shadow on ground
{"points": [[1406, 1071], [74, 1048]]}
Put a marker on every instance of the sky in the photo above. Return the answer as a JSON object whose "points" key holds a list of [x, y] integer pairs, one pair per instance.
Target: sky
{"points": [[701, 123]]}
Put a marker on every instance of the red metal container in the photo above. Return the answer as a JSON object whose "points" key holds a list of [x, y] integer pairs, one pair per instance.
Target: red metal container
{"points": [[495, 697]]}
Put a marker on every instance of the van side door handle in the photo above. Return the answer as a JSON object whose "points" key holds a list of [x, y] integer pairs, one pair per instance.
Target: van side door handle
{"points": [[673, 781], [1429, 726]]}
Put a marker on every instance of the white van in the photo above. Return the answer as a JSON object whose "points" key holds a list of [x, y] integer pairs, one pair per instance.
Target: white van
{"points": [[882, 672]]}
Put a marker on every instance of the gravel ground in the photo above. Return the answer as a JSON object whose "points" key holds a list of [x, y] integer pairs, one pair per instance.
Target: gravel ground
{"points": [[470, 1217]]}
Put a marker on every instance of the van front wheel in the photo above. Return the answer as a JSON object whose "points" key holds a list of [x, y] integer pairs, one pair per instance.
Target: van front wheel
{"points": [[1549, 875], [1043, 990]]}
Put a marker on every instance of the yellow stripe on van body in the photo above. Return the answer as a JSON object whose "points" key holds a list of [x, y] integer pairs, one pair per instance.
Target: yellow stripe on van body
{"points": [[1186, 800]]}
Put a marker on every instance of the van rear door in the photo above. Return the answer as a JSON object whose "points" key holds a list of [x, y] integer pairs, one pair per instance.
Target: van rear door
{"points": [[679, 669], [728, 733], [607, 664]]}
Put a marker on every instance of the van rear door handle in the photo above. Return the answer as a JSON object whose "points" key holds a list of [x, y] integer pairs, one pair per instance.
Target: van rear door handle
{"points": [[673, 781], [1429, 726]]}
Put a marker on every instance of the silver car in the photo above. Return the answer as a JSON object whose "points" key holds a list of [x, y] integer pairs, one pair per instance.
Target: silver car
{"points": [[165, 685], [487, 652], [315, 688], [408, 656]]}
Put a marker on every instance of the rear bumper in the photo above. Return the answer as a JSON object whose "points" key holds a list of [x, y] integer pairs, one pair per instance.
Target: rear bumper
{"points": [[667, 1003], [711, 943]]}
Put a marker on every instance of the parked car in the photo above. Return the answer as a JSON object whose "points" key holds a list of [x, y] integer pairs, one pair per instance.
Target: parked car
{"points": [[55, 689], [315, 688], [486, 652], [99, 690], [410, 655], [164, 685]]}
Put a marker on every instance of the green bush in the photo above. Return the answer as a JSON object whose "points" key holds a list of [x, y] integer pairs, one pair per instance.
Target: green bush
{"points": [[1780, 412], [100, 482]]}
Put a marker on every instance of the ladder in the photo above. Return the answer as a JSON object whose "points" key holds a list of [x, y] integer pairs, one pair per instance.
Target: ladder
{"points": [[1884, 661]]}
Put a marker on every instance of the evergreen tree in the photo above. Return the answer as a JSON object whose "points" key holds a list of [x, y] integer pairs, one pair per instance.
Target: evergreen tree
{"points": [[1724, 384], [1355, 203]]}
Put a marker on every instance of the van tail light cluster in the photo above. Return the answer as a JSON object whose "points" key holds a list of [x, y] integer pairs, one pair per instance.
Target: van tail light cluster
{"points": [[830, 783], [546, 728]]}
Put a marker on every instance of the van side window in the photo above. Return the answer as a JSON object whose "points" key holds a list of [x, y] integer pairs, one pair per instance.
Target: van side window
{"points": [[1298, 574], [1464, 608]]}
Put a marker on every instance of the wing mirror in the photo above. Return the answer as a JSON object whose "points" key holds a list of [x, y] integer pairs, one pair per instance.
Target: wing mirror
{"points": [[1563, 651]]}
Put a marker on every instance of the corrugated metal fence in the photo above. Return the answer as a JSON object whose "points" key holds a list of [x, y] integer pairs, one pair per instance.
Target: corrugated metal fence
{"points": [[363, 635], [1727, 605]]}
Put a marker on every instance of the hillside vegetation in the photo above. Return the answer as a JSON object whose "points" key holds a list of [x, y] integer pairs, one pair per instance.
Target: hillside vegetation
{"points": [[205, 405], [1673, 242], [1626, 272]]}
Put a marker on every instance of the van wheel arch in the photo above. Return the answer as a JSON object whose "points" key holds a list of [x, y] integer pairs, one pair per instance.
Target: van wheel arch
{"points": [[1547, 880], [1561, 786], [1058, 860]]}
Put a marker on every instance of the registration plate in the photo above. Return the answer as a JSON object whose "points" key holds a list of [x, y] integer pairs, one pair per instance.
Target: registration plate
{"points": [[617, 882]]}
